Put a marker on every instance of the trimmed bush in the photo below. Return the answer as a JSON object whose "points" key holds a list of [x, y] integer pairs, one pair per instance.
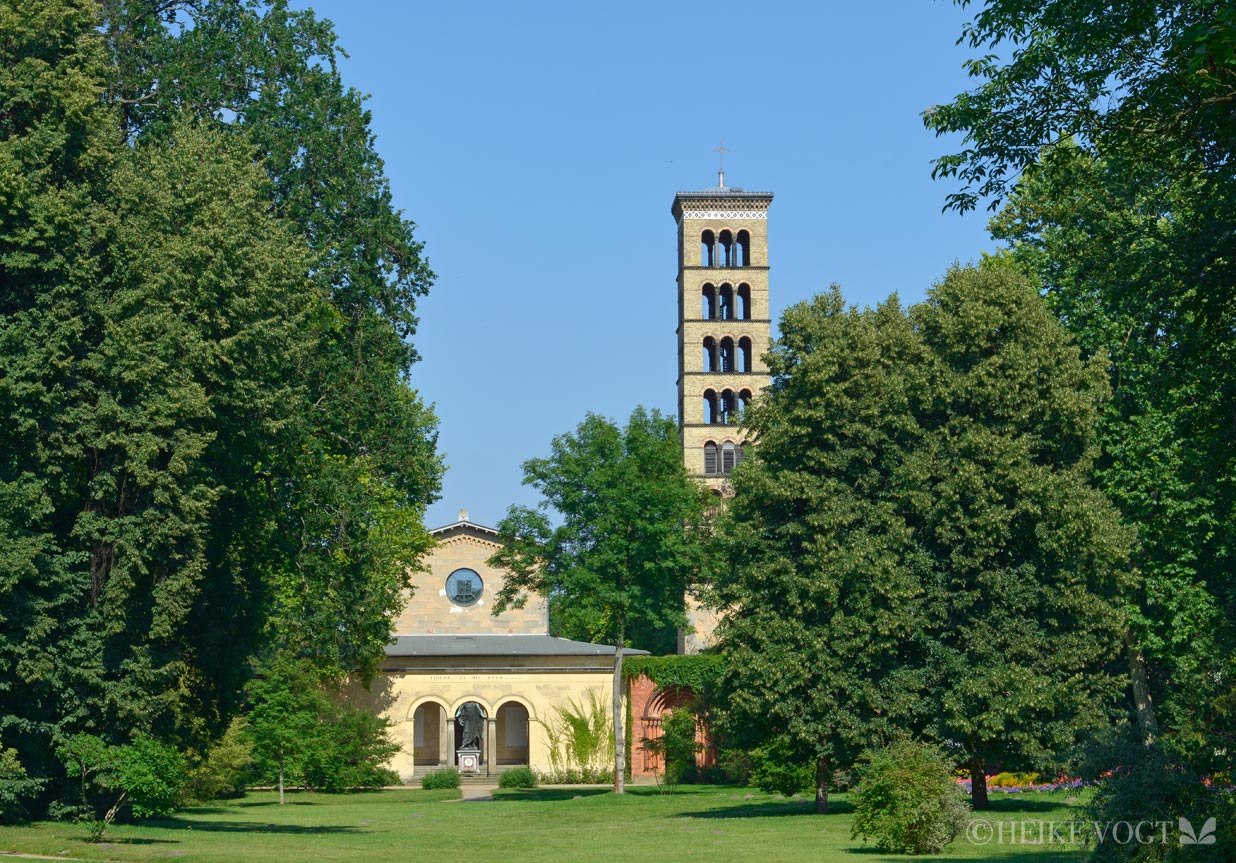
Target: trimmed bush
{"points": [[577, 776], [907, 803], [447, 777], [517, 777]]}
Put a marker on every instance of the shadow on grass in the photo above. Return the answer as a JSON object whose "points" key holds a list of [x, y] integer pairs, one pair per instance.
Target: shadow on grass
{"points": [[258, 827], [248, 804], [129, 840], [197, 810], [680, 791], [545, 795], [1016, 803], [778, 807], [768, 809], [989, 854]]}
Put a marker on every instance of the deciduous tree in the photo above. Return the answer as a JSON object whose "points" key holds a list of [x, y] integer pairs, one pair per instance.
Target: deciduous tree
{"points": [[205, 301], [1141, 82], [915, 543], [1109, 133], [629, 539], [828, 601]]}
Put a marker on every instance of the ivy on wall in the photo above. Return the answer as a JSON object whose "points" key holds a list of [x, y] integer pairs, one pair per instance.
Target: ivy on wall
{"points": [[697, 672]]}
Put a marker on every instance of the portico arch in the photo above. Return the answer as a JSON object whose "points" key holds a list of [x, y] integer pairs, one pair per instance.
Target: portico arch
{"points": [[512, 733], [460, 702], [424, 699], [518, 699], [429, 729]]}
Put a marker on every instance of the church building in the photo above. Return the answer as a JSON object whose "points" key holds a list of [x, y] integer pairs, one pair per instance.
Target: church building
{"points": [[469, 689]]}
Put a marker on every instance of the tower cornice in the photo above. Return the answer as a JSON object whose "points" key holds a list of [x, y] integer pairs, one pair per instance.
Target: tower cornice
{"points": [[721, 204]]}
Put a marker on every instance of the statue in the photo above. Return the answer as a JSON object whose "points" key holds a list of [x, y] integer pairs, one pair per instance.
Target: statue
{"points": [[473, 725]]}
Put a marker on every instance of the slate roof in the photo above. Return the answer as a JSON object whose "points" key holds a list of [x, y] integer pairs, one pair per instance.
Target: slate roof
{"points": [[497, 645]]}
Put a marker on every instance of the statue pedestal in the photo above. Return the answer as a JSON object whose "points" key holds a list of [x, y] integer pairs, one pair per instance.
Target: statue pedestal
{"points": [[468, 760]]}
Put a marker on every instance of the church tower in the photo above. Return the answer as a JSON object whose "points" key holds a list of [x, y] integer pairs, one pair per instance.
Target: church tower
{"points": [[723, 323], [723, 331]]}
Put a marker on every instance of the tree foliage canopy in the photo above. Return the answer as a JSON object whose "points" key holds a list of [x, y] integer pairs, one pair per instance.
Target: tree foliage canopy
{"points": [[916, 543], [210, 445], [1108, 132], [1139, 81], [1150, 295], [628, 541]]}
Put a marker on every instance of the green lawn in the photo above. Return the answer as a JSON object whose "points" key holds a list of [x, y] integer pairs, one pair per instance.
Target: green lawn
{"points": [[569, 825]]}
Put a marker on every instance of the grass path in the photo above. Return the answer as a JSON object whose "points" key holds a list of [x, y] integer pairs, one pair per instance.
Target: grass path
{"points": [[547, 825]]}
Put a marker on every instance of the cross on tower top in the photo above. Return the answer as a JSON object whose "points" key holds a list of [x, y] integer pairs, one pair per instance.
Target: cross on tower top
{"points": [[721, 151]]}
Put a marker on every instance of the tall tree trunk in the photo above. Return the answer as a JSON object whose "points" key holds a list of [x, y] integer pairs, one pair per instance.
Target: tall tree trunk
{"points": [[620, 724], [1146, 722], [823, 769], [280, 778], [978, 785]]}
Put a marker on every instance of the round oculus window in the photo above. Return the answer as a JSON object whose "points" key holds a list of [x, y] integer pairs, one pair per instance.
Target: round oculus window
{"points": [[463, 587]]}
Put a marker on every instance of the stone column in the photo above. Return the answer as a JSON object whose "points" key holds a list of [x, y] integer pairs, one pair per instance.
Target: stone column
{"points": [[491, 746], [450, 742], [446, 739]]}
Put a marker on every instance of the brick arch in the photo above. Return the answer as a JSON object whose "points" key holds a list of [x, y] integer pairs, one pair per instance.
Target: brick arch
{"points": [[649, 704], [666, 698]]}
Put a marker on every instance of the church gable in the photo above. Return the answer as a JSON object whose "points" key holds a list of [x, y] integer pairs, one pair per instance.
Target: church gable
{"points": [[457, 592]]}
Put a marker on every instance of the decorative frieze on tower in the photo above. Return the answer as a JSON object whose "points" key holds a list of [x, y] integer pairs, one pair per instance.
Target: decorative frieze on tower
{"points": [[723, 323]]}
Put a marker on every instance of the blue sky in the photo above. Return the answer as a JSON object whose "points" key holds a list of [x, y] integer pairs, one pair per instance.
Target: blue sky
{"points": [[538, 147]]}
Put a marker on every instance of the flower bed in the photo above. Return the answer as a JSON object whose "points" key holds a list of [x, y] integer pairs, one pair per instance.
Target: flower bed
{"points": [[1012, 783]]}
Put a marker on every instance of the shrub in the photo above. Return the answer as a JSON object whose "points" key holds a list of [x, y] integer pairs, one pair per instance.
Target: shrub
{"points": [[676, 749], [1157, 782], [776, 770], [1013, 780], [224, 771], [576, 776], [153, 775], [907, 802], [447, 777], [146, 775], [517, 777], [347, 751], [302, 733], [736, 766], [15, 786], [842, 780]]}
